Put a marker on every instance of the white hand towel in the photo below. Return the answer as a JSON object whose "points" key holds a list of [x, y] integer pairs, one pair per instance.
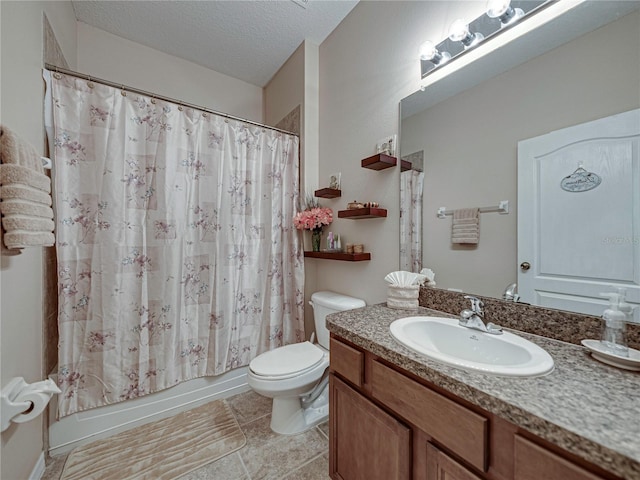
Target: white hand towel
{"points": [[465, 227], [25, 195]]}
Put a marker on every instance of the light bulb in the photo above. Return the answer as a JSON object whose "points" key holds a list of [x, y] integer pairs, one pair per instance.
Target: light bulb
{"points": [[497, 8], [459, 32], [429, 52], [502, 10]]}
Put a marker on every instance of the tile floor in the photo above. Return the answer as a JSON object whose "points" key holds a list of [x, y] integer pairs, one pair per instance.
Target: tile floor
{"points": [[266, 454]]}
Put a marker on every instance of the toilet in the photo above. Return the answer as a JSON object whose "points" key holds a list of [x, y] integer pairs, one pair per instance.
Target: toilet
{"points": [[296, 376]]}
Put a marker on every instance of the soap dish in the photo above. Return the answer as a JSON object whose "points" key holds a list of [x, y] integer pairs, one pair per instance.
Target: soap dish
{"points": [[599, 352]]}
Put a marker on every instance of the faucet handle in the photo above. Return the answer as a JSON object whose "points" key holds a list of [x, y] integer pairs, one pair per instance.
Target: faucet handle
{"points": [[476, 304]]}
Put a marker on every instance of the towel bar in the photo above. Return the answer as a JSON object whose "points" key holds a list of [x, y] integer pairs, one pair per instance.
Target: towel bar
{"points": [[502, 208]]}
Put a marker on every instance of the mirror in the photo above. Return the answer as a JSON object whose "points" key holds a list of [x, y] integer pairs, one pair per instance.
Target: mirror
{"points": [[581, 66]]}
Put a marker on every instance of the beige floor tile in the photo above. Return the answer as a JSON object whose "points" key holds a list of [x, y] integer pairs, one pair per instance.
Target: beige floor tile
{"points": [[228, 467], [316, 469], [266, 455], [54, 466], [280, 456], [324, 428], [259, 432], [249, 406]]}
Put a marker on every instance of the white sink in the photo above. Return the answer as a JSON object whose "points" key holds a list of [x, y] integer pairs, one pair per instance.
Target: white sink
{"points": [[443, 340]]}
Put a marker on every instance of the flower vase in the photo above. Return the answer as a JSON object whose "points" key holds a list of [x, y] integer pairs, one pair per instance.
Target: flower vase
{"points": [[316, 239]]}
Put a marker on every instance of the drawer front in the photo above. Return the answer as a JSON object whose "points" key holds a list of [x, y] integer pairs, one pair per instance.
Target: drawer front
{"points": [[533, 462], [347, 362], [457, 428]]}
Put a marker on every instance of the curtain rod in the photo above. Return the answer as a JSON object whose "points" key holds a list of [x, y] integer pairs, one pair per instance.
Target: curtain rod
{"points": [[91, 78]]}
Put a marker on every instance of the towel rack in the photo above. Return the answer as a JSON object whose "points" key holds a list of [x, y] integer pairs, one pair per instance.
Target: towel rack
{"points": [[46, 162], [502, 208]]}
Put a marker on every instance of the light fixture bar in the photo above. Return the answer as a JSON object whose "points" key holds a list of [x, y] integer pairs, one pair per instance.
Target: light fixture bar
{"points": [[500, 16]]}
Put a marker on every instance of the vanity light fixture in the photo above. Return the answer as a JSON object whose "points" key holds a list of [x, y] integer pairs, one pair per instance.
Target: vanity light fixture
{"points": [[429, 52], [459, 32], [503, 11], [499, 16]]}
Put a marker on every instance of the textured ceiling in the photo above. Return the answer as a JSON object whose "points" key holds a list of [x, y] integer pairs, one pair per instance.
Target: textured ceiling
{"points": [[248, 40]]}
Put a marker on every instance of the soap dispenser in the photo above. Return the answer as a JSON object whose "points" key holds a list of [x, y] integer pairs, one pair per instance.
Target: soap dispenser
{"points": [[624, 306], [613, 329]]}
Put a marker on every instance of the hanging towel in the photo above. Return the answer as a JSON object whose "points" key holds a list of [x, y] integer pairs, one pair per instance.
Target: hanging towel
{"points": [[25, 195], [465, 227]]}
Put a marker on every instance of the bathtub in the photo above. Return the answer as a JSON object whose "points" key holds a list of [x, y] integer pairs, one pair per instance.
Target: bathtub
{"points": [[84, 427]]}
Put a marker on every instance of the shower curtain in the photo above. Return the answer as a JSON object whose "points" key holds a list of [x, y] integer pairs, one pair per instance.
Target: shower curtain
{"points": [[411, 220], [177, 256]]}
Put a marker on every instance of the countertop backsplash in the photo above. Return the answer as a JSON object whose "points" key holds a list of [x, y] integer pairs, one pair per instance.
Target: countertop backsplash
{"points": [[558, 324]]}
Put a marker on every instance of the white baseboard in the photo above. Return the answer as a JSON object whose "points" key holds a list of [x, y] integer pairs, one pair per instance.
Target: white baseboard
{"points": [[84, 427], [38, 469]]}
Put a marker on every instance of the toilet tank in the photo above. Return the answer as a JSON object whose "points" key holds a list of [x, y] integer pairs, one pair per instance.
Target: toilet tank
{"points": [[323, 304]]}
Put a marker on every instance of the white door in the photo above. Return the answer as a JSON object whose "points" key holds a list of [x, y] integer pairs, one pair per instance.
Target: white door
{"points": [[578, 239]]}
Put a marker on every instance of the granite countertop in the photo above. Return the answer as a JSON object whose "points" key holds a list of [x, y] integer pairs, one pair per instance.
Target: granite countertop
{"points": [[585, 407]]}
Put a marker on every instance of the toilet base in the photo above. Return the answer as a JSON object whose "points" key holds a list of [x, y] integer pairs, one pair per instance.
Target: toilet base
{"points": [[289, 418]]}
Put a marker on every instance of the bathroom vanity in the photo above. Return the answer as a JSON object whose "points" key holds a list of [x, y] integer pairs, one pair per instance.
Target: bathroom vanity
{"points": [[395, 414]]}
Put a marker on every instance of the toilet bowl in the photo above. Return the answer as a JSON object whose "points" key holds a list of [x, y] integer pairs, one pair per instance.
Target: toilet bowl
{"points": [[296, 376]]}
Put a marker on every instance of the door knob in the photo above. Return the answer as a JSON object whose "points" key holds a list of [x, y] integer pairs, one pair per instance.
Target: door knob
{"points": [[525, 266]]}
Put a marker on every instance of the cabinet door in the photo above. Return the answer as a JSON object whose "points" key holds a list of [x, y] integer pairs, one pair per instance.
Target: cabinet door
{"points": [[366, 443], [533, 462], [440, 466], [458, 429]]}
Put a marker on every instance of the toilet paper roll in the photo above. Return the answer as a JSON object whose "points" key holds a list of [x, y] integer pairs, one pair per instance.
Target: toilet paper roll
{"points": [[38, 401]]}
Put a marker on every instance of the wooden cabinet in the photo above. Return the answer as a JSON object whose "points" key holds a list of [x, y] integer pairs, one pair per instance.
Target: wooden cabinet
{"points": [[533, 462], [461, 430], [347, 361], [441, 466], [367, 443], [387, 424]]}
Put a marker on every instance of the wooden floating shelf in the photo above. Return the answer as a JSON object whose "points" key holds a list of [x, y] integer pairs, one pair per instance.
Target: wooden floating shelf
{"points": [[347, 257], [404, 166], [380, 161], [328, 193], [358, 213]]}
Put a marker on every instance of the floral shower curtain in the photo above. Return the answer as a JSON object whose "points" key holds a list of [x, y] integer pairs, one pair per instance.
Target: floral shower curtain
{"points": [[411, 182], [177, 255]]}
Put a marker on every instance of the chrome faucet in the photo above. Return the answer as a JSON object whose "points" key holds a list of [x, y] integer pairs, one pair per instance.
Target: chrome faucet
{"points": [[511, 293], [474, 318]]}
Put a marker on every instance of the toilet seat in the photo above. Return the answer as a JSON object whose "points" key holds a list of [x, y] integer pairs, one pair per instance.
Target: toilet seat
{"points": [[288, 361]]}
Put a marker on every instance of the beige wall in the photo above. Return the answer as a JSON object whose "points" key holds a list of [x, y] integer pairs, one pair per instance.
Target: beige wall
{"points": [[470, 144], [21, 277], [296, 83], [285, 91], [367, 65], [116, 59]]}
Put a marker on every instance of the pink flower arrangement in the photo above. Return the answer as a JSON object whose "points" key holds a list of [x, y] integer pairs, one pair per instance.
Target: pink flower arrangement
{"points": [[313, 219]]}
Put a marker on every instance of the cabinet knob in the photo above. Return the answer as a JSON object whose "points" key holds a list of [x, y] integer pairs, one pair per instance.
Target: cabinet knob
{"points": [[525, 266]]}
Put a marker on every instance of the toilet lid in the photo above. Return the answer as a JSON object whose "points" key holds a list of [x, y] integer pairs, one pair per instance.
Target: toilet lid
{"points": [[287, 360]]}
